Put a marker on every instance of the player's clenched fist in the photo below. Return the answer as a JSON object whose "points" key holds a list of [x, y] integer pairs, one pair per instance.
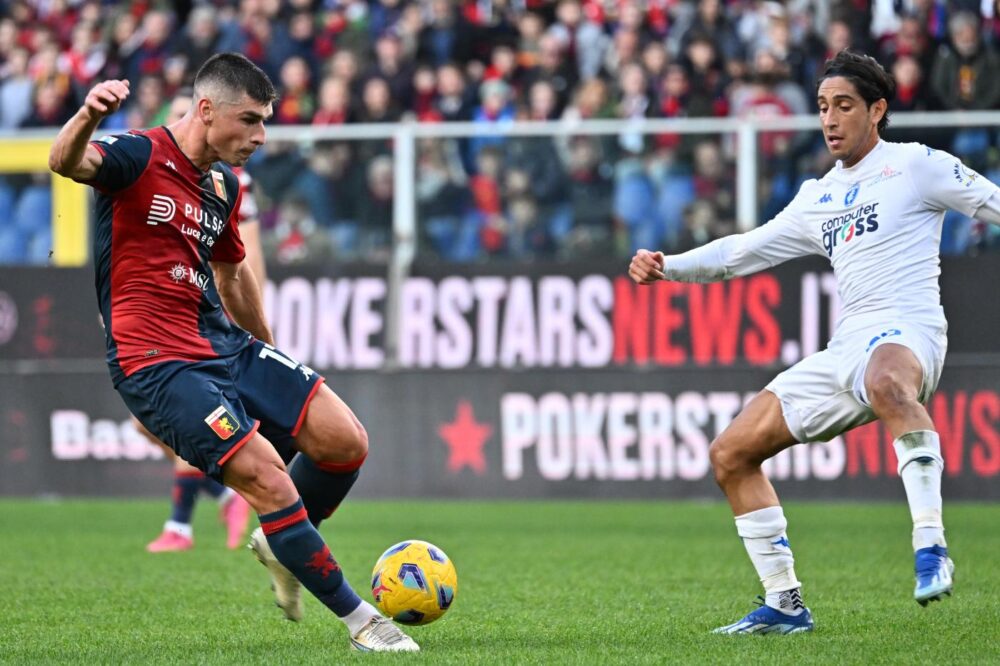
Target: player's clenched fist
{"points": [[646, 267], [105, 98]]}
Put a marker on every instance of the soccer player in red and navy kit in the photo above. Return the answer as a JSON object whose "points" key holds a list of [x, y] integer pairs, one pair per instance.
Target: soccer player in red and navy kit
{"points": [[204, 380], [189, 481]]}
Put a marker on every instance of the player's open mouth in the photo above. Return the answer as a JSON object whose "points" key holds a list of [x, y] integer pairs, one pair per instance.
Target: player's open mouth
{"points": [[834, 141]]}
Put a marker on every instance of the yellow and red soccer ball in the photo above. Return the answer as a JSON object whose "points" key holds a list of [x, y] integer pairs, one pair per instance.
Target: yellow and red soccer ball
{"points": [[414, 582]]}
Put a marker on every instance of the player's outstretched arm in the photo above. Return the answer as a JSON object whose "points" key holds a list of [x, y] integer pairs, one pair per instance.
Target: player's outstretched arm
{"points": [[241, 297], [72, 155], [737, 255]]}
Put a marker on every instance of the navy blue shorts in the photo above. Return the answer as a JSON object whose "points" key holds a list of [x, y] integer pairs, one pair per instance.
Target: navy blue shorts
{"points": [[206, 410]]}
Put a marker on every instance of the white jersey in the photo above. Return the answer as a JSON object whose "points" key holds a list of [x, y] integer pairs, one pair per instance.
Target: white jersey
{"points": [[879, 223]]}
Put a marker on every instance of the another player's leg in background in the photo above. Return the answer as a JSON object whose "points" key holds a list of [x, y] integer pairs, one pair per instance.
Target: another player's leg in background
{"points": [[257, 472], [178, 533], [756, 434], [893, 381], [234, 512]]}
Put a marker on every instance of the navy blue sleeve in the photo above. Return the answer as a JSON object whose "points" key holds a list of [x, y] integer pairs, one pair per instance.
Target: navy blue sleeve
{"points": [[125, 158]]}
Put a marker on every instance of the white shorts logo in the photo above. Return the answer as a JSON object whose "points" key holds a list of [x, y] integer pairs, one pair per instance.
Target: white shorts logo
{"points": [[161, 209]]}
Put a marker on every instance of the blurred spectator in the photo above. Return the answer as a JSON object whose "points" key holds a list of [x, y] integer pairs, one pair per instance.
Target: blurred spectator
{"points": [[590, 194], [503, 65], [123, 41], [707, 80], [51, 106], [655, 60], [910, 89], [424, 93], [485, 189], [530, 27], [634, 103], [391, 68], [344, 66], [85, 57], [715, 181], [334, 103], [581, 40], [375, 210], [965, 74], [302, 36], [542, 102], [16, 90], [701, 225], [632, 17], [838, 38], [775, 72], [377, 104], [910, 41], [453, 101], [154, 48], [295, 104], [709, 21], [298, 237], [527, 236], [445, 37], [496, 107], [552, 66], [149, 106], [625, 49], [200, 37], [449, 226], [590, 102]]}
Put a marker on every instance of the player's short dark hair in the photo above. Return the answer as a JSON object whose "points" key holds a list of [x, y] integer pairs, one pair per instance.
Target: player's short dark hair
{"points": [[868, 77], [234, 72]]}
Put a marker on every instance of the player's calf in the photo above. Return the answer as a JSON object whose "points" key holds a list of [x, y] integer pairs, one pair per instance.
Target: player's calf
{"points": [[323, 485], [334, 445]]}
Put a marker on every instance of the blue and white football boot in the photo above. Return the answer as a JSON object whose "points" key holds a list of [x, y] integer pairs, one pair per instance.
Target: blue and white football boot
{"points": [[767, 620], [934, 574]]}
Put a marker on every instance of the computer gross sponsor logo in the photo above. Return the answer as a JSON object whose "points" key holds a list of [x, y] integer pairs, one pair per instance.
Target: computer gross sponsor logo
{"points": [[845, 228]]}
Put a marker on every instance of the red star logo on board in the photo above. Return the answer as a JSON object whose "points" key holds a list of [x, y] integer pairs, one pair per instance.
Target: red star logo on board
{"points": [[465, 438]]}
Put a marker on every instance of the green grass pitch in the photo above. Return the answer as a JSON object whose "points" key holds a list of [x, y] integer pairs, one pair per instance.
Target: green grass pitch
{"points": [[539, 583]]}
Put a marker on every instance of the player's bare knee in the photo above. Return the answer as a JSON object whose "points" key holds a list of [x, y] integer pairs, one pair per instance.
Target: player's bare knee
{"points": [[888, 392], [347, 443], [263, 481], [727, 459]]}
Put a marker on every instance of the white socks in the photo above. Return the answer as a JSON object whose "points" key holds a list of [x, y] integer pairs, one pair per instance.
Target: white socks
{"points": [[763, 534], [920, 468], [359, 617], [184, 529]]}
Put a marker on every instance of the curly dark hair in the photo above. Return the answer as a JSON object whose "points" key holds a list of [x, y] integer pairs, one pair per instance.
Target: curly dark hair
{"points": [[868, 77]]}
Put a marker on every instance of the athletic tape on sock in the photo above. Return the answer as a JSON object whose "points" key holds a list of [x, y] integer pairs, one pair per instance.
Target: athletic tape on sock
{"points": [[915, 445], [761, 524]]}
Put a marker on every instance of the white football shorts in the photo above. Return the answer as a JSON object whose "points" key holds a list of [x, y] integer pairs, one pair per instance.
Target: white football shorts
{"points": [[824, 395]]}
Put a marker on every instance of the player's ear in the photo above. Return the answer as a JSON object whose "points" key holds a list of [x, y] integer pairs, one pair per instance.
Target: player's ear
{"points": [[878, 110], [206, 110]]}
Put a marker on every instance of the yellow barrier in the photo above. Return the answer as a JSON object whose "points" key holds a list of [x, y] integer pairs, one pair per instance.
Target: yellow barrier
{"points": [[69, 199]]}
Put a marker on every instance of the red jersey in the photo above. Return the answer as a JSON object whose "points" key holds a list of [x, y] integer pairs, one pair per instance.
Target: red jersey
{"points": [[160, 221]]}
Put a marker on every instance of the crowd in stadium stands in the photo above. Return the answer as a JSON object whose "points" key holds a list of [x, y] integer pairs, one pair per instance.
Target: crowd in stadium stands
{"points": [[494, 61]]}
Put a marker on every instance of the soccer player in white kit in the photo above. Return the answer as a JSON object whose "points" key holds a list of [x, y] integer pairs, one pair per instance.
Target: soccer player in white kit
{"points": [[877, 215]]}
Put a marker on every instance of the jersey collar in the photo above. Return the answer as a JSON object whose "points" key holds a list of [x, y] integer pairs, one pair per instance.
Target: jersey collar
{"points": [[864, 160]]}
